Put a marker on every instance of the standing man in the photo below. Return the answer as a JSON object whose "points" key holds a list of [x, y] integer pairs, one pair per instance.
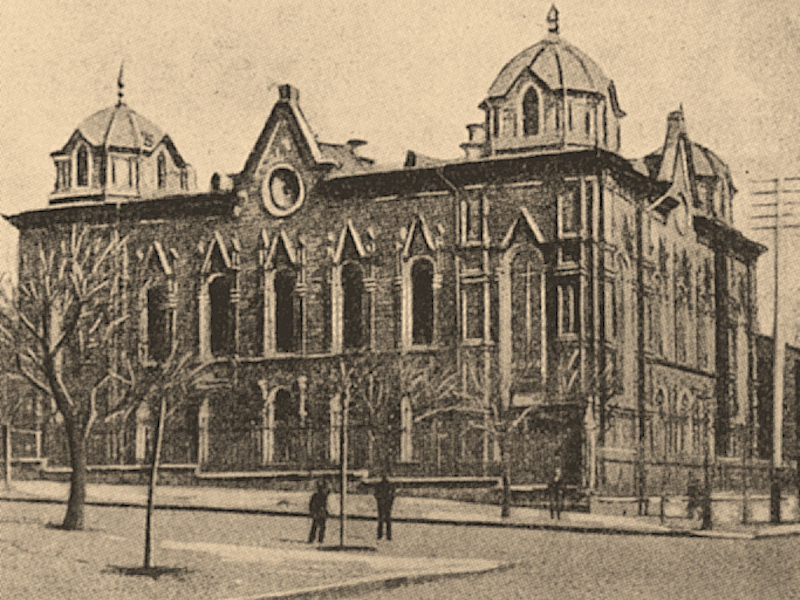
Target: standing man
{"points": [[318, 511], [384, 495]]}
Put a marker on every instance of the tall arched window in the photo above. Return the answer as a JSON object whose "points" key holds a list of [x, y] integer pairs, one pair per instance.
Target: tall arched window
{"points": [[82, 166], [285, 340], [352, 305], [220, 329], [162, 171], [530, 112], [286, 422], [422, 301], [159, 324]]}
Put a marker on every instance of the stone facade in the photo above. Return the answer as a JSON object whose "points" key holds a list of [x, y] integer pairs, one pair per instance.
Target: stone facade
{"points": [[608, 302]]}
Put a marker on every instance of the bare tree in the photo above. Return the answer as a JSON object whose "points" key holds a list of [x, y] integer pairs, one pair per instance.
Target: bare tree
{"points": [[65, 315], [167, 385], [380, 383]]}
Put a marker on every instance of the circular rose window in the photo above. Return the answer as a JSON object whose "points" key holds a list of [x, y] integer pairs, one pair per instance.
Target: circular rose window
{"points": [[282, 191]]}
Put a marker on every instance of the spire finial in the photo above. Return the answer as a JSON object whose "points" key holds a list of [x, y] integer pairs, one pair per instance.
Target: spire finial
{"points": [[120, 84], [552, 19]]}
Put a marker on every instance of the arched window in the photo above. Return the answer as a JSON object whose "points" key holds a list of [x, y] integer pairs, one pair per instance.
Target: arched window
{"points": [[82, 167], [285, 425], [285, 340], [159, 324], [422, 302], [522, 322], [162, 171], [220, 327], [530, 112], [352, 305]]}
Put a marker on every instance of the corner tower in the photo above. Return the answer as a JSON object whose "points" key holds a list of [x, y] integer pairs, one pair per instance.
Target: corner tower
{"points": [[549, 97], [117, 155]]}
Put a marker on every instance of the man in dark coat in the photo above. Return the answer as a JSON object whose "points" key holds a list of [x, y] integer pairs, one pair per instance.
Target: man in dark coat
{"points": [[318, 511], [384, 495]]}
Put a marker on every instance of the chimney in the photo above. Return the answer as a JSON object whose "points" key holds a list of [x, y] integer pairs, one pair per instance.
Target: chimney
{"points": [[288, 93]]}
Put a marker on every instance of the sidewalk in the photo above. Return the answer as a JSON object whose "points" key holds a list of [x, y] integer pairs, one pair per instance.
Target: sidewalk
{"points": [[407, 509], [359, 571]]}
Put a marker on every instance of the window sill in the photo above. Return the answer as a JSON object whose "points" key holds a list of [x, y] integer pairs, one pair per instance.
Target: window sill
{"points": [[421, 348]]}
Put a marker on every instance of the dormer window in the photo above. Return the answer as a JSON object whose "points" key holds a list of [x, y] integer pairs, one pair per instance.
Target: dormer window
{"points": [[530, 112], [82, 167], [162, 171]]}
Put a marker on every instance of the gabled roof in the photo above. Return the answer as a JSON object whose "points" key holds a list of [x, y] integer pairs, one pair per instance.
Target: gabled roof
{"points": [[287, 106]]}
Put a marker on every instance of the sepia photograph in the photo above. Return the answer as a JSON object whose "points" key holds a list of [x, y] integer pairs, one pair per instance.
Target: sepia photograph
{"points": [[399, 300]]}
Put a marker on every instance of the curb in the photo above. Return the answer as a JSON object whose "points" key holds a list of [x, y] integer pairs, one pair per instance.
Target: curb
{"points": [[603, 530], [363, 586]]}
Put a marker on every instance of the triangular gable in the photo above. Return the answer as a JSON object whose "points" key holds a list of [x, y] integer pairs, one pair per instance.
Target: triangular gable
{"points": [[169, 146], [216, 248], [155, 253], [681, 189], [73, 140], [527, 222], [419, 231], [286, 110], [349, 240], [280, 245]]}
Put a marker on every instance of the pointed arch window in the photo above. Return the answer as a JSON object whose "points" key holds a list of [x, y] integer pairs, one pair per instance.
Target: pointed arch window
{"points": [[283, 295], [530, 112], [351, 294], [158, 302], [352, 305], [162, 171], [159, 325], [419, 278], [422, 301], [82, 166], [522, 317], [219, 300]]}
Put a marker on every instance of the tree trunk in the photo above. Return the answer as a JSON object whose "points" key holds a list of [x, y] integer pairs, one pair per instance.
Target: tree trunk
{"points": [[73, 520], [505, 510], [148, 553]]}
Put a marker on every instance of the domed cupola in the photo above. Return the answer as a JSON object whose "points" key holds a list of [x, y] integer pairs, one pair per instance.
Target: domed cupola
{"points": [[550, 96], [116, 155]]}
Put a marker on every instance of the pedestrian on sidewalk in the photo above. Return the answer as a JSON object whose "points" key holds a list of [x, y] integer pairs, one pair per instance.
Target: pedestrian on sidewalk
{"points": [[318, 511], [695, 497], [384, 496], [556, 493]]}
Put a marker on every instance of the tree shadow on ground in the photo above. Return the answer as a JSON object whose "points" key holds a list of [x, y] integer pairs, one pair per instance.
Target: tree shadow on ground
{"points": [[152, 572]]}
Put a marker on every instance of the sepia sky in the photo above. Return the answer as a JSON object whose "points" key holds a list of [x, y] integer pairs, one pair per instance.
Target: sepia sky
{"points": [[401, 75]]}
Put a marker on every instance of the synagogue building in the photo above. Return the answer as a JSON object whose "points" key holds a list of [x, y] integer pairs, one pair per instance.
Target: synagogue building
{"points": [[596, 308]]}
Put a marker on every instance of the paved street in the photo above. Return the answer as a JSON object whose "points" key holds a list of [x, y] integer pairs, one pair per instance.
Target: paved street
{"points": [[544, 564]]}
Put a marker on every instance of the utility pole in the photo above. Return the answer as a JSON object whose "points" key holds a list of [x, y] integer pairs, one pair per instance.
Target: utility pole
{"points": [[779, 361]]}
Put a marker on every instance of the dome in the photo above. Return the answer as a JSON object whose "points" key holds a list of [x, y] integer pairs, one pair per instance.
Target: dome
{"points": [[551, 96], [559, 65], [120, 127]]}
